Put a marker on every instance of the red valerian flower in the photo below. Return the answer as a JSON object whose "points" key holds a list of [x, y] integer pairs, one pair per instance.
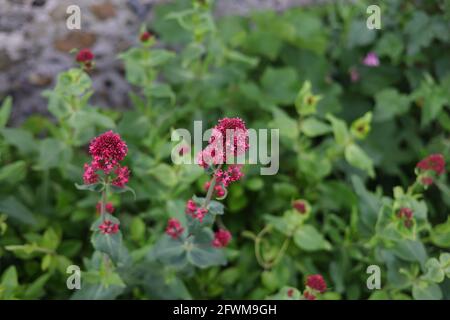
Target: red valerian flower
{"points": [[300, 206], [174, 228], [109, 227], [219, 191], [194, 211], [107, 150], [407, 215], [426, 181], [228, 137], [231, 174], [232, 134], [405, 212], [84, 56], [434, 162], [145, 36], [190, 206], [309, 296], [316, 282], [221, 238], [108, 207], [89, 176], [122, 176], [290, 293]]}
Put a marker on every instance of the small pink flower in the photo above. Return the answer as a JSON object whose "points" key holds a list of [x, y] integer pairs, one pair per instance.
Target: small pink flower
{"points": [[309, 296], [371, 60], [108, 227], [174, 228], [89, 176], [231, 174], [290, 293], [122, 176], [354, 75], [221, 238], [405, 212], [426, 181], [300, 206], [316, 282], [145, 36], [84, 55], [191, 206], [434, 162], [108, 207], [107, 150]]}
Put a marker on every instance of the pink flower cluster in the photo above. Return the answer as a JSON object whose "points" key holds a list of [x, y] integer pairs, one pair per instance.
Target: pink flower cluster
{"points": [[221, 238], [314, 284], [85, 57], [108, 207], [107, 150], [228, 138], [406, 214], [434, 162], [300, 206], [196, 212], [371, 60], [108, 227], [174, 228]]}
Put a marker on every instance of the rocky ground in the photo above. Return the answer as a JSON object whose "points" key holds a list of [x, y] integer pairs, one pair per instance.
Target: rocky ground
{"points": [[35, 44]]}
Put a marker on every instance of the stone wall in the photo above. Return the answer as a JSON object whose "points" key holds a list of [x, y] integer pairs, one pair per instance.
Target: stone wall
{"points": [[35, 44]]}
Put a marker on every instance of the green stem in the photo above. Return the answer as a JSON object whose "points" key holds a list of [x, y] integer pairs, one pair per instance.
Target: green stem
{"points": [[212, 184]]}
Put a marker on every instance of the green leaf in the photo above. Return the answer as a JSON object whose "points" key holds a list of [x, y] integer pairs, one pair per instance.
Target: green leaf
{"points": [[52, 152], [137, 229], [170, 251], [287, 126], [17, 211], [280, 85], [36, 289], [9, 283], [202, 254], [14, 172], [426, 291], [340, 130], [440, 234], [5, 111], [359, 159], [159, 90], [410, 250], [97, 291], [112, 245], [313, 127], [19, 138], [95, 187], [434, 272], [308, 238], [115, 189]]}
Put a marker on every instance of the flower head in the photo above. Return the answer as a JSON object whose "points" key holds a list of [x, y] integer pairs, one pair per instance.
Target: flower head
{"points": [[122, 176], [174, 228], [84, 56], [309, 296], [371, 60], [316, 282], [232, 134], [89, 176], [145, 36], [301, 206], [231, 174], [108, 227], [108, 207], [434, 162], [221, 238], [107, 150]]}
